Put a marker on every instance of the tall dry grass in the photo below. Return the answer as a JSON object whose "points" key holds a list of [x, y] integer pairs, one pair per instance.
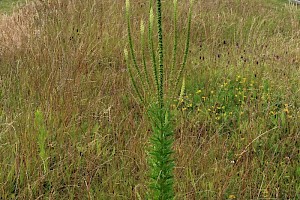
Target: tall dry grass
{"points": [[66, 58]]}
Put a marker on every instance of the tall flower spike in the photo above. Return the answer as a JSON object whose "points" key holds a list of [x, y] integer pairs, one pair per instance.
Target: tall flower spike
{"points": [[186, 51], [160, 53], [136, 67], [151, 17], [142, 29], [131, 75], [182, 90], [174, 44], [152, 51], [127, 5]]}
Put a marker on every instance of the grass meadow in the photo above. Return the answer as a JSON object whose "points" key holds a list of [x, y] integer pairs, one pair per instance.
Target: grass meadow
{"points": [[71, 126]]}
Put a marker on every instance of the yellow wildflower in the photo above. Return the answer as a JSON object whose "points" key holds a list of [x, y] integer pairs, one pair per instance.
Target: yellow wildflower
{"points": [[286, 110], [199, 91], [266, 193]]}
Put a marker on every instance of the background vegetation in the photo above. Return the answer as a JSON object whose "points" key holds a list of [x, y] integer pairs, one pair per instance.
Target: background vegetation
{"points": [[9, 5], [70, 127]]}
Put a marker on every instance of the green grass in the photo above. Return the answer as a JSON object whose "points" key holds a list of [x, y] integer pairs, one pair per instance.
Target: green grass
{"points": [[7, 5], [236, 131]]}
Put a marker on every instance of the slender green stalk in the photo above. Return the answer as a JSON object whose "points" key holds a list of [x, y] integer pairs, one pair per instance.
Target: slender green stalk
{"points": [[131, 76], [186, 45], [160, 55], [175, 41], [142, 28], [152, 51], [182, 90], [42, 136], [131, 42]]}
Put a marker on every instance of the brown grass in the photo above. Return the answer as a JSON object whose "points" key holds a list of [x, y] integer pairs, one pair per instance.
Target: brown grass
{"points": [[65, 57]]}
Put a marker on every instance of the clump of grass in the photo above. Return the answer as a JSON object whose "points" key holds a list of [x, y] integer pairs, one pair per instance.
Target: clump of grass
{"points": [[8, 5], [41, 139]]}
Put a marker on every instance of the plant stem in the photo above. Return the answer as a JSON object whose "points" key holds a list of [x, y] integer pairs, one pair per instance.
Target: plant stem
{"points": [[160, 54]]}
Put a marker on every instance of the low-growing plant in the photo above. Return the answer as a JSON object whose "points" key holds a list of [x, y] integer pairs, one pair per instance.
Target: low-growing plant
{"points": [[235, 101], [41, 139]]}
